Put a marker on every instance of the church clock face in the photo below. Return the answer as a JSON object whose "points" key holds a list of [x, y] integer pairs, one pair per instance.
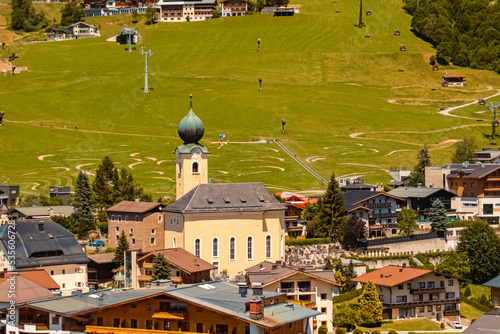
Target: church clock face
{"points": [[196, 153]]}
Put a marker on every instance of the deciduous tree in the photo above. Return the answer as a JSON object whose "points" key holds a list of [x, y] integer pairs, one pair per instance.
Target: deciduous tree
{"points": [[407, 221], [346, 315], [481, 245], [71, 13], [341, 280], [465, 151], [417, 176], [454, 263], [355, 231]]}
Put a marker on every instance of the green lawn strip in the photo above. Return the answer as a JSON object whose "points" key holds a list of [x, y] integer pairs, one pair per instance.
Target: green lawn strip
{"points": [[469, 312]]}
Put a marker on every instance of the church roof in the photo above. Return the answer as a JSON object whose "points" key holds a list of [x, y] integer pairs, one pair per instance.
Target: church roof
{"points": [[226, 197]]}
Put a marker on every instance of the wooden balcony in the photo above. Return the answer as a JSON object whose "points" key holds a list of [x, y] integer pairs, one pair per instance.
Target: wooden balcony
{"points": [[119, 330], [451, 312], [379, 205], [384, 215], [420, 303], [147, 265], [426, 290], [32, 326]]}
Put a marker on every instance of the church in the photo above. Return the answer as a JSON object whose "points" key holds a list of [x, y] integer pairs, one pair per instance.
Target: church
{"points": [[231, 225]]}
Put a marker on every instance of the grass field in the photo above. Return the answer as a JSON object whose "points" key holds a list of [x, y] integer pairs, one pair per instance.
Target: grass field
{"points": [[405, 325], [325, 77]]}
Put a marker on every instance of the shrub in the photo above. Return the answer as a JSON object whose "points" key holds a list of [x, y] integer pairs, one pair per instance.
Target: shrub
{"points": [[375, 332], [484, 300], [467, 292], [393, 332], [442, 325], [323, 330], [347, 296], [310, 241], [339, 330], [477, 305], [357, 331]]}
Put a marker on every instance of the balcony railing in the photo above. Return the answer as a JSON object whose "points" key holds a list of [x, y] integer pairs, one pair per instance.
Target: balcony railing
{"points": [[451, 312], [421, 303], [384, 215], [379, 205], [426, 290], [287, 290], [126, 330]]}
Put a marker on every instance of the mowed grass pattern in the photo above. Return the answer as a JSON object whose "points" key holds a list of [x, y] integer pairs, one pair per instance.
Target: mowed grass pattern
{"points": [[82, 99]]}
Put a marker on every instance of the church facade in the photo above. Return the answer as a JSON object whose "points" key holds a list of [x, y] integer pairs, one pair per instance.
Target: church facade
{"points": [[231, 225]]}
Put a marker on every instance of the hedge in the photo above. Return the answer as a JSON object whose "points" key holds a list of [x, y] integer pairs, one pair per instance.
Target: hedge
{"points": [[303, 242], [347, 296], [477, 305]]}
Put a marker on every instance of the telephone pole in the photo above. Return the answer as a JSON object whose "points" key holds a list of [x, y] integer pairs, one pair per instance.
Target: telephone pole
{"points": [[361, 13], [146, 53]]}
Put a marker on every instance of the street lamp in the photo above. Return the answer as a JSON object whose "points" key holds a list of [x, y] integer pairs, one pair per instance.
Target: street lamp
{"points": [[260, 84], [258, 44], [144, 52]]}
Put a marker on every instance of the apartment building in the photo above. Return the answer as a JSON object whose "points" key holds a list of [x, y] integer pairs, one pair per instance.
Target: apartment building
{"points": [[142, 223], [411, 293], [186, 10], [309, 287], [486, 208], [233, 8]]}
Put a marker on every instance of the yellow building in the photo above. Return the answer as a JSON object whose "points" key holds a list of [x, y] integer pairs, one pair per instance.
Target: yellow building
{"points": [[231, 225]]}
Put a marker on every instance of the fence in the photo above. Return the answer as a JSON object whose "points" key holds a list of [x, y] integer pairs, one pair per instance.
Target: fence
{"points": [[395, 240], [91, 12]]}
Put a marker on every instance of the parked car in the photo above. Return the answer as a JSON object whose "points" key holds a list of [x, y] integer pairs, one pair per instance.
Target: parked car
{"points": [[457, 325], [97, 243]]}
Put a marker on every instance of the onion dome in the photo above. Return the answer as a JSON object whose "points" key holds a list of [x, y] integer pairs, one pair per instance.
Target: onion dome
{"points": [[191, 127]]}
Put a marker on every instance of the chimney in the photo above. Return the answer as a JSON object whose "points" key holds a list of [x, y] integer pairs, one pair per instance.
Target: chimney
{"points": [[137, 200], [256, 309], [302, 269], [275, 266], [242, 289], [41, 227], [404, 264], [257, 289], [51, 212], [79, 293], [400, 270], [100, 301], [381, 275]]}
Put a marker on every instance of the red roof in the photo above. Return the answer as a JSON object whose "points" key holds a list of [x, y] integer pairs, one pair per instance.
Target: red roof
{"points": [[391, 275], [183, 260], [39, 277], [26, 291], [134, 207]]}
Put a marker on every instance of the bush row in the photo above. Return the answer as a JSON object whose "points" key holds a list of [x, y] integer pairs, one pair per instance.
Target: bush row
{"points": [[347, 296], [311, 241]]}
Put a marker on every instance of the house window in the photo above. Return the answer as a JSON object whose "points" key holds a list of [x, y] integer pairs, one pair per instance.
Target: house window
{"points": [[174, 243], [222, 329], [408, 286], [232, 249], [215, 248], [421, 309], [166, 325], [117, 229], [64, 285], [199, 328], [195, 168], [116, 322], [268, 247], [401, 299], [438, 308], [450, 282], [421, 285], [149, 324], [197, 247], [450, 295], [119, 218], [131, 231], [430, 285], [52, 272], [153, 241], [323, 310], [149, 307], [63, 271], [400, 287], [160, 218], [126, 218], [100, 321], [133, 305], [133, 241], [381, 298], [249, 248], [133, 323], [488, 209], [429, 308], [442, 284], [153, 231], [323, 323], [55, 320], [323, 296], [113, 217], [136, 218]]}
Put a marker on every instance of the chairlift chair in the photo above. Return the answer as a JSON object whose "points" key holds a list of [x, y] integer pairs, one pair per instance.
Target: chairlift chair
{"points": [[368, 12], [435, 67], [402, 48], [482, 102], [396, 32]]}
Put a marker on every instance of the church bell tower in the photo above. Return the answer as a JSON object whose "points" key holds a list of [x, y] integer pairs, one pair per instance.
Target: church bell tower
{"points": [[191, 157]]}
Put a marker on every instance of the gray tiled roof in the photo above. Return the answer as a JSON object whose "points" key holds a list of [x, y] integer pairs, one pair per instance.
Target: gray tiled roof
{"points": [[472, 170], [30, 211], [226, 197], [415, 192], [31, 243], [267, 272], [488, 323], [494, 282]]}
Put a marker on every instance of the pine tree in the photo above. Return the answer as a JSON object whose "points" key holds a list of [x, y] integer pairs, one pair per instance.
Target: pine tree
{"points": [[328, 265], [438, 216], [371, 306], [332, 214], [103, 183], [417, 176], [340, 279], [83, 203], [122, 247], [161, 268], [349, 275]]}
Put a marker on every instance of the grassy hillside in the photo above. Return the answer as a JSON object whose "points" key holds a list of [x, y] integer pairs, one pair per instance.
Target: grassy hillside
{"points": [[327, 78]]}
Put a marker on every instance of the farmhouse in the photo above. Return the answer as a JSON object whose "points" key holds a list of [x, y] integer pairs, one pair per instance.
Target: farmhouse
{"points": [[180, 11], [309, 287], [74, 31], [421, 198], [453, 80], [58, 34], [233, 8], [100, 269], [494, 284], [409, 292]]}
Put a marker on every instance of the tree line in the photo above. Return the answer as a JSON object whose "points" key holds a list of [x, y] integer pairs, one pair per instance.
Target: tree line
{"points": [[464, 32]]}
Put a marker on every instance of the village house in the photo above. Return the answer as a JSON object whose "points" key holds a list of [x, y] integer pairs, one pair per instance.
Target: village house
{"points": [[230, 225], [485, 208], [100, 269], [41, 212], [184, 10], [309, 287], [411, 293], [185, 268], [379, 210], [46, 245], [488, 156], [453, 80], [64, 193], [142, 223], [9, 195], [494, 284], [295, 227], [74, 31], [215, 307], [233, 8]]}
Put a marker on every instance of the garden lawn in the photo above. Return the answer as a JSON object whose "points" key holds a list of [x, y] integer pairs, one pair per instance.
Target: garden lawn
{"points": [[405, 325], [82, 99], [469, 311]]}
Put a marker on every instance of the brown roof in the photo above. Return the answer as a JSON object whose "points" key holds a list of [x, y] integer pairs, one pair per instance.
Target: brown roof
{"points": [[267, 273], [40, 277], [102, 257], [26, 291], [183, 260], [134, 207], [391, 275]]}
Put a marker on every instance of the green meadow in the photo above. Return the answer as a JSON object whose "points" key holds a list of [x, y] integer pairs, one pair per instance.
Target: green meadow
{"points": [[80, 100]]}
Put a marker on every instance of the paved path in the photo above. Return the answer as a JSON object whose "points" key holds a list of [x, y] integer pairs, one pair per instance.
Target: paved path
{"points": [[287, 151], [446, 112]]}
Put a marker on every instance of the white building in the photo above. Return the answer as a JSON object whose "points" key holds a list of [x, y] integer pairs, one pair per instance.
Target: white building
{"points": [[309, 287], [47, 245], [186, 10]]}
